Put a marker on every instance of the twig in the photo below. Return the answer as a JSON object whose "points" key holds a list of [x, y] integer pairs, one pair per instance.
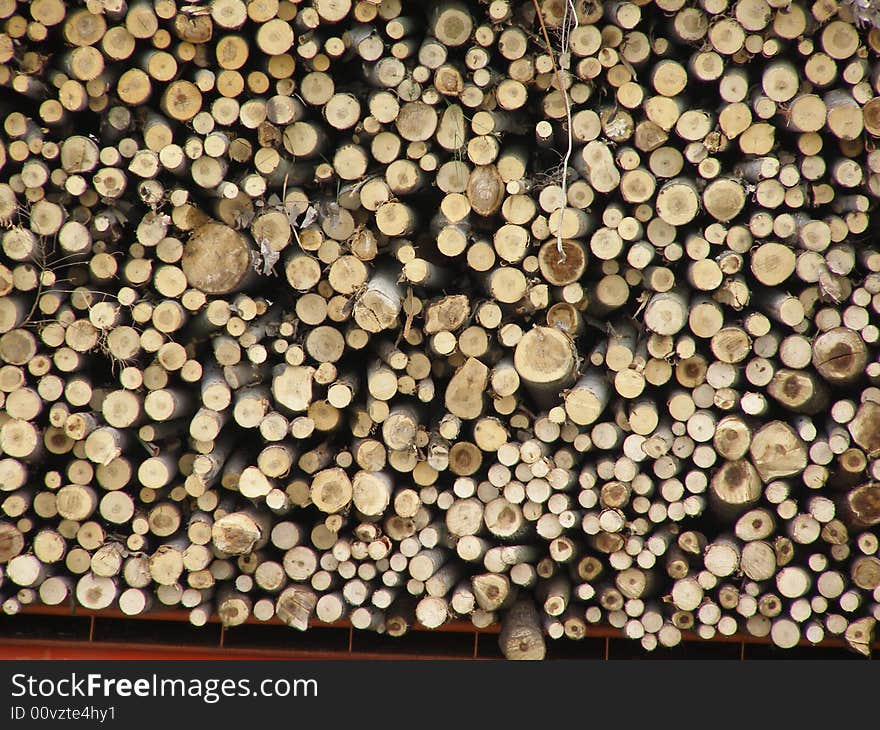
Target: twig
{"points": [[564, 92]]}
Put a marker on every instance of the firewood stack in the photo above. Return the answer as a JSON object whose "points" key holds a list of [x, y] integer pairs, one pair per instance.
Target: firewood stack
{"points": [[546, 312]]}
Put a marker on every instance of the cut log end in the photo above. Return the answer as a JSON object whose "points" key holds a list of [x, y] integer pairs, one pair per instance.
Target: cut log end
{"points": [[216, 259]]}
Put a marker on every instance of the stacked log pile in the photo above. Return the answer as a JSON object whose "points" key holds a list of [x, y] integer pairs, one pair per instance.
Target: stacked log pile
{"points": [[554, 312]]}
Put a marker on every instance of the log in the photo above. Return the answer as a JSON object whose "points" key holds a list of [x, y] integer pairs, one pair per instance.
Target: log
{"points": [[735, 486], [777, 451], [238, 533], [521, 637], [217, 259], [545, 361], [464, 393], [801, 392], [859, 506], [839, 355]]}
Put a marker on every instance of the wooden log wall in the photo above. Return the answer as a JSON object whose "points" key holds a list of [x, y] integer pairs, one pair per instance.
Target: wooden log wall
{"points": [[554, 313]]}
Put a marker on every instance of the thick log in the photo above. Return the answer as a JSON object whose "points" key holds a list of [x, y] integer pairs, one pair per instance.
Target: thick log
{"points": [[545, 361], [217, 259], [777, 451], [521, 637]]}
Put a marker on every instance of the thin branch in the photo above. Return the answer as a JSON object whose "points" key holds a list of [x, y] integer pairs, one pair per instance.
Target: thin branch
{"points": [[566, 32]]}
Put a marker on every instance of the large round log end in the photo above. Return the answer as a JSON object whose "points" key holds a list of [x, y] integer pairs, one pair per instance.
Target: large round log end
{"points": [[216, 259]]}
